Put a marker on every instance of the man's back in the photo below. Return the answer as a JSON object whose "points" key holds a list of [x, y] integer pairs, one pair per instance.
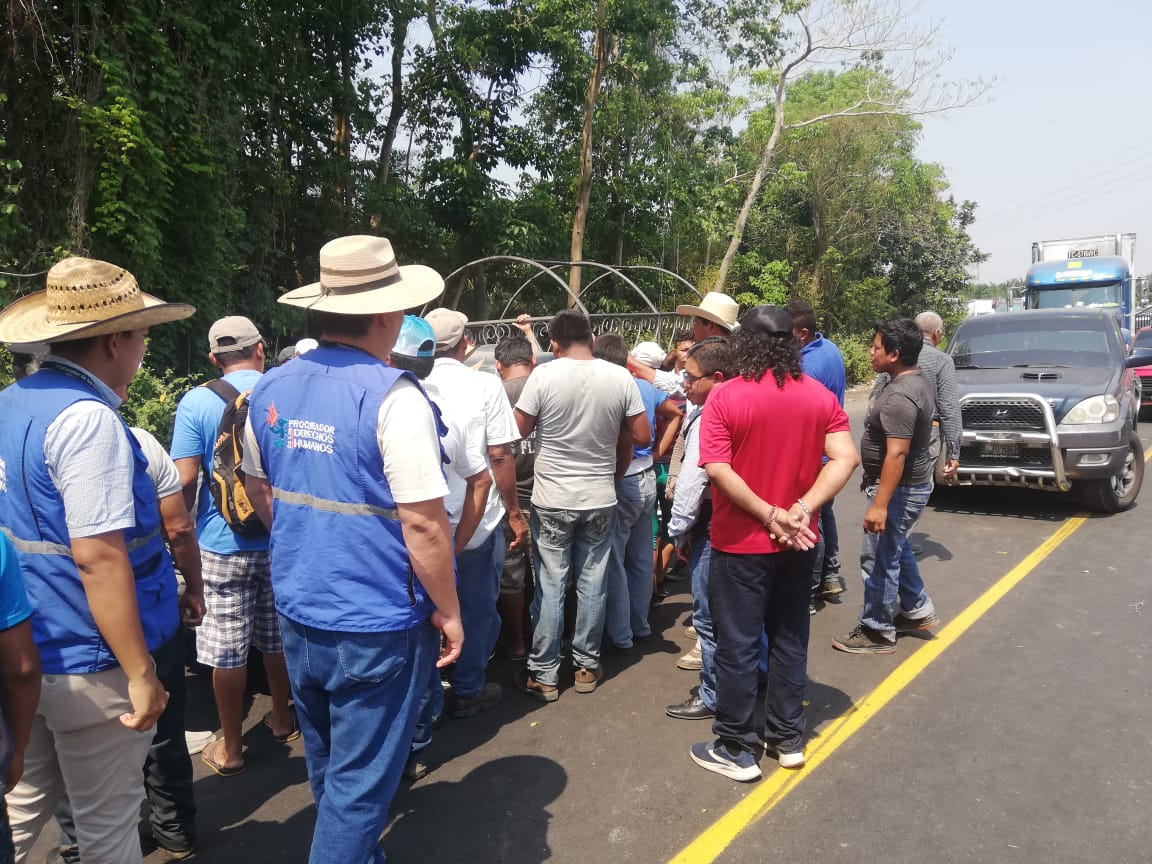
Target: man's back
{"points": [[579, 406], [194, 436]]}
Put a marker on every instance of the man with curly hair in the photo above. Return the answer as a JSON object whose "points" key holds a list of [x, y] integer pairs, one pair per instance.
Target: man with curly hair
{"points": [[762, 438]]}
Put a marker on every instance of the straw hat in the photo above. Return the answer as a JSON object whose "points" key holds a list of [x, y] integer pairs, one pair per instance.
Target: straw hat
{"points": [[715, 307], [359, 276], [85, 297]]}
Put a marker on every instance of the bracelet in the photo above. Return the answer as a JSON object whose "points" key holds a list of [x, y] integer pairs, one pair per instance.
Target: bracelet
{"points": [[804, 507], [771, 516]]}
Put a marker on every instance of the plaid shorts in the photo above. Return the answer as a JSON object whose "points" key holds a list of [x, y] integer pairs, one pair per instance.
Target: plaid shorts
{"points": [[239, 609]]}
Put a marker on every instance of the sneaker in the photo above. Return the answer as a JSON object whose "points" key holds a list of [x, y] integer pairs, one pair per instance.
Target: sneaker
{"points": [[863, 640], [693, 709], [830, 586], [811, 607], [197, 741], [690, 632], [488, 696], [693, 661], [415, 768], [588, 680], [715, 757], [904, 624], [619, 650], [541, 692], [794, 759]]}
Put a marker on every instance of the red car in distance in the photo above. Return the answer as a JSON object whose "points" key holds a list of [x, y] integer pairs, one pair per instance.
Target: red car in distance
{"points": [[1142, 346]]}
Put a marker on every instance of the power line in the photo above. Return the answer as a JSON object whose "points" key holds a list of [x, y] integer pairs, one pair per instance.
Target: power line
{"points": [[1013, 221]]}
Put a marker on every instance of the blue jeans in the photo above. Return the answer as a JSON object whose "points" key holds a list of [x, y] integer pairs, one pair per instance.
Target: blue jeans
{"points": [[356, 699], [752, 596], [701, 559], [826, 564], [891, 577], [629, 576], [568, 543], [478, 587]]}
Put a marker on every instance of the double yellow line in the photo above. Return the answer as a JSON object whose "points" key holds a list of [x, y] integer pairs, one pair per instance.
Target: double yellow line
{"points": [[716, 838]]}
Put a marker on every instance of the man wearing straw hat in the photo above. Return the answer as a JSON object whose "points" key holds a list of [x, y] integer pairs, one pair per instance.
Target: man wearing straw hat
{"points": [[92, 553], [343, 462], [715, 316]]}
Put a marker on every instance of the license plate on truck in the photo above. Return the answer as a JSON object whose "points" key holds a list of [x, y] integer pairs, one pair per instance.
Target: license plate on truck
{"points": [[999, 450]]}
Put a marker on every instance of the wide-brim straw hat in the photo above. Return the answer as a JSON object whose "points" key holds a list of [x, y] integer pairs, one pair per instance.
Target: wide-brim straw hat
{"points": [[85, 297], [359, 276], [716, 307]]}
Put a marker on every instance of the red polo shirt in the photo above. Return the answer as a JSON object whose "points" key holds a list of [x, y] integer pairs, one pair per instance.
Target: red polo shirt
{"points": [[773, 437]]}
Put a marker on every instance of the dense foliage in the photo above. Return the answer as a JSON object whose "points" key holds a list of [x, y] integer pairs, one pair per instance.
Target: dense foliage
{"points": [[213, 147]]}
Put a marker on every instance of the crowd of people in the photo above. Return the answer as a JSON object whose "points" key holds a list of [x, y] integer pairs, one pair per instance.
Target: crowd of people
{"points": [[378, 518]]}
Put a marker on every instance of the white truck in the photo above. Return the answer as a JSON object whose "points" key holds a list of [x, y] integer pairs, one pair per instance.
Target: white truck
{"points": [[1084, 272]]}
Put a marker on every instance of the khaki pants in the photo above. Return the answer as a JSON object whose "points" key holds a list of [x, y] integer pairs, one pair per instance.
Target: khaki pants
{"points": [[78, 745]]}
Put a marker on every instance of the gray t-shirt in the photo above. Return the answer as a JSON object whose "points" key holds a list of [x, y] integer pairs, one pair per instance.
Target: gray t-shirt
{"points": [[579, 406], [901, 408], [524, 450]]}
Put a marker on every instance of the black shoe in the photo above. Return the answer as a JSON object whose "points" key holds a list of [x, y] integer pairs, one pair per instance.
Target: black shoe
{"points": [[619, 650], [693, 709], [415, 768]]}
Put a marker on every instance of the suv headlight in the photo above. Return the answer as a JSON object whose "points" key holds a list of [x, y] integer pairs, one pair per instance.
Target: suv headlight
{"points": [[1097, 409]]}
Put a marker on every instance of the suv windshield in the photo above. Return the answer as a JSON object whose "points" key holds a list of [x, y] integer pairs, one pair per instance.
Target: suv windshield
{"points": [[991, 341]]}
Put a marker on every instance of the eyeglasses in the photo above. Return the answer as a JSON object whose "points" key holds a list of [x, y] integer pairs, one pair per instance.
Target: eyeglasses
{"points": [[691, 379]]}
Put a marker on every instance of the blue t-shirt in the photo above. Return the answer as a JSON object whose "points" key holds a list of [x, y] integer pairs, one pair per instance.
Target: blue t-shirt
{"points": [[822, 360], [14, 606], [194, 435], [652, 399]]}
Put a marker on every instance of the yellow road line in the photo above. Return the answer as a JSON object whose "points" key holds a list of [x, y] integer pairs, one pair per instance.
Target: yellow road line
{"points": [[716, 838]]}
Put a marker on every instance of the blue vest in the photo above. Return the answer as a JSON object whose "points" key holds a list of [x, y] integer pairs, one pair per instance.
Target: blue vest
{"points": [[32, 515], [339, 561]]}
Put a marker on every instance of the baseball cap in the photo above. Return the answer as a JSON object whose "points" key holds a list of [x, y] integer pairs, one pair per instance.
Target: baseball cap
{"points": [[650, 354], [305, 345], [448, 325], [233, 333], [286, 354], [416, 338], [766, 321]]}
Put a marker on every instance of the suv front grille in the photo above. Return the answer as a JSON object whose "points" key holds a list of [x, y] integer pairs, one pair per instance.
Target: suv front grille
{"points": [[1003, 414]]}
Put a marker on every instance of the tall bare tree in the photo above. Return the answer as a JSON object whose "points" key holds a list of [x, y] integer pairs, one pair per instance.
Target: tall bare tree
{"points": [[847, 31]]}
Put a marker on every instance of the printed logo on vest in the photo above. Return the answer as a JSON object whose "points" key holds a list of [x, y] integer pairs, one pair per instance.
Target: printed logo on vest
{"points": [[301, 434], [3, 476]]}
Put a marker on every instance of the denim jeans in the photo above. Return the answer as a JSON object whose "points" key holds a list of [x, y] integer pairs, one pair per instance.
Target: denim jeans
{"points": [[698, 565], [478, 586], [356, 699], [826, 563], [629, 576], [891, 577], [576, 544], [752, 596]]}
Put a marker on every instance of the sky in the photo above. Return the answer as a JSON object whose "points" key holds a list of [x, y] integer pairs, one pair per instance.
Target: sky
{"points": [[1063, 145]]}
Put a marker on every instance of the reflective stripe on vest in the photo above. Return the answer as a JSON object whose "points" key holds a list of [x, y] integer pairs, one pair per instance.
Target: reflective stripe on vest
{"points": [[45, 547], [330, 506]]}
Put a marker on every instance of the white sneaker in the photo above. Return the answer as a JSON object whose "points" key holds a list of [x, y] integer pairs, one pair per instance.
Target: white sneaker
{"points": [[197, 741], [689, 632], [693, 661]]}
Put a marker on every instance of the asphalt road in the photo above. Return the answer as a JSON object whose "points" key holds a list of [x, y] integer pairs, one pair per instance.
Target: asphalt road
{"points": [[1025, 740]]}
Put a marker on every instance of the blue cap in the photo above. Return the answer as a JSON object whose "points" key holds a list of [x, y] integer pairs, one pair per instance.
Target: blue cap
{"points": [[416, 338]]}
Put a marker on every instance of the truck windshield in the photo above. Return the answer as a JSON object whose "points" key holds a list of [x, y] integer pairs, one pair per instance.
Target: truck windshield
{"points": [[1015, 341], [1076, 296]]}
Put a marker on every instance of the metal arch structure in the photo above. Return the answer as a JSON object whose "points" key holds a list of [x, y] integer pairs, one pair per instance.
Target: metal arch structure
{"points": [[637, 324], [539, 265]]}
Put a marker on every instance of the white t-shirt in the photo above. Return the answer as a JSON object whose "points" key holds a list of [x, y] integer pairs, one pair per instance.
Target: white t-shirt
{"points": [[479, 397], [161, 469], [409, 445], [579, 406], [467, 457]]}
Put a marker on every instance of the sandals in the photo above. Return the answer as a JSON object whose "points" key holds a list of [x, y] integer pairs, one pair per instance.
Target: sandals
{"points": [[209, 756], [287, 737]]}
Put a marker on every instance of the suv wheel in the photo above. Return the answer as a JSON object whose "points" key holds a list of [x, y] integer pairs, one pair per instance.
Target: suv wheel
{"points": [[1118, 492]]}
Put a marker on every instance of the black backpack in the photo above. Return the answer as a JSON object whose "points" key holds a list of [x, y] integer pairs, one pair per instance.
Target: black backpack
{"points": [[226, 479]]}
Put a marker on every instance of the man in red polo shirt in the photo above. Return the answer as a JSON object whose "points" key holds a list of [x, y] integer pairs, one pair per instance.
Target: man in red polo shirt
{"points": [[763, 436]]}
